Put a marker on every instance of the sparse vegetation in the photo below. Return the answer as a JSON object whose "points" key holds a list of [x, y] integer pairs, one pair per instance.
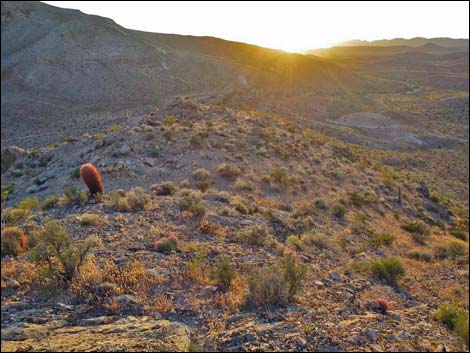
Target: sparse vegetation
{"points": [[14, 241], [192, 203], [255, 235], [337, 211], [388, 269], [228, 171], [455, 318], [167, 244], [382, 239], [72, 196], [418, 229], [55, 248], [276, 285]]}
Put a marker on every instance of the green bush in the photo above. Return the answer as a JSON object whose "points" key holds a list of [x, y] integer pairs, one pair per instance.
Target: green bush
{"points": [[54, 246], [388, 269], [201, 174], [277, 284], [295, 241], [420, 256], [459, 234], [119, 201], [74, 197], [280, 176], [223, 274], [48, 203], [455, 318], [255, 235], [416, 227], [138, 198], [192, 203], [202, 185], [169, 120], [382, 239], [198, 138], [452, 249], [28, 203], [338, 211], [228, 171]]}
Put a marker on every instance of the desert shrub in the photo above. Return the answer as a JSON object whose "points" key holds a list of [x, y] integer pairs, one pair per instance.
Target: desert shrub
{"points": [[170, 134], [198, 138], [320, 241], [223, 274], [201, 174], [241, 184], [459, 234], [359, 224], [75, 173], [382, 239], [281, 177], [452, 249], [196, 268], [54, 247], [169, 120], [72, 196], [419, 255], [277, 284], [307, 240], [192, 203], [455, 318], [320, 204], [343, 151], [119, 201], [88, 219], [295, 241], [255, 235], [388, 269], [167, 244], [337, 211], [165, 188], [228, 171], [7, 190], [388, 180], [202, 185], [138, 198], [14, 242], [13, 216], [416, 227], [48, 203], [114, 128], [28, 203]]}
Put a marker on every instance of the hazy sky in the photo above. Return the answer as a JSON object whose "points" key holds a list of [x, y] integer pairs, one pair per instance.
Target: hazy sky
{"points": [[290, 26]]}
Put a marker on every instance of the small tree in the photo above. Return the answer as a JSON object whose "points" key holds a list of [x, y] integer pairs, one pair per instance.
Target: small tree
{"points": [[55, 247]]}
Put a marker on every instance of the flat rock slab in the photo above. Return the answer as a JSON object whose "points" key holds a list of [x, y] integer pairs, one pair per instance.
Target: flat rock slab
{"points": [[130, 334]]}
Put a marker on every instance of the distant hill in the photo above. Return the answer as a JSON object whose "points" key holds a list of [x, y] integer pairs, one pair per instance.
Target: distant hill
{"points": [[59, 63], [413, 42]]}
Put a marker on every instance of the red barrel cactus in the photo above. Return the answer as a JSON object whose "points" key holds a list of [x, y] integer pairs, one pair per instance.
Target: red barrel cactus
{"points": [[92, 178]]}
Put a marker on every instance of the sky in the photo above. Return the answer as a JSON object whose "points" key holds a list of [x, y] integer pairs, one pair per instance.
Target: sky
{"points": [[290, 26]]}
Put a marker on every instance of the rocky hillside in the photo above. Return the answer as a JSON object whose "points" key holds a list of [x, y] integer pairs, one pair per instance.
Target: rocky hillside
{"points": [[236, 230], [254, 200], [82, 71]]}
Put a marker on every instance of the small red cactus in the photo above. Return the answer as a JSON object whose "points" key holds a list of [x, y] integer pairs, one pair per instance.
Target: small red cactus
{"points": [[92, 178], [383, 305]]}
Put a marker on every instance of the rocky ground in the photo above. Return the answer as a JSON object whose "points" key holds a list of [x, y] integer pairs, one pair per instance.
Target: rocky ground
{"points": [[336, 197]]}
